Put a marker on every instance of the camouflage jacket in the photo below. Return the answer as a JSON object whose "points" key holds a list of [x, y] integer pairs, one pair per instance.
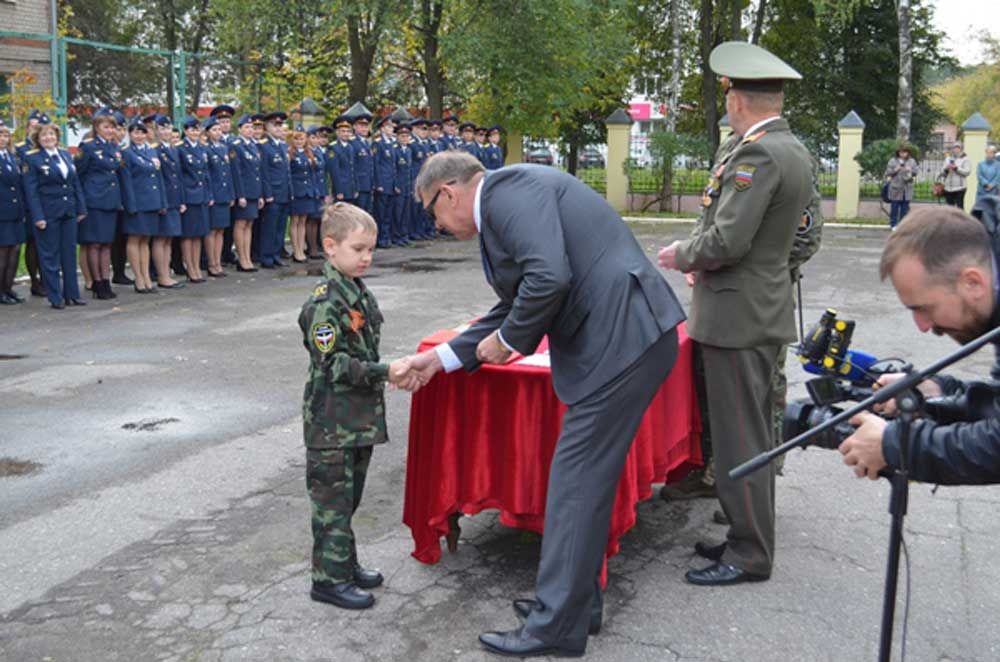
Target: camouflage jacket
{"points": [[344, 401], [810, 231]]}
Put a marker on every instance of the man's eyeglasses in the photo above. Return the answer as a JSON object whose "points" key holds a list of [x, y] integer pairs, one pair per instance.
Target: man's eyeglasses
{"points": [[430, 207]]}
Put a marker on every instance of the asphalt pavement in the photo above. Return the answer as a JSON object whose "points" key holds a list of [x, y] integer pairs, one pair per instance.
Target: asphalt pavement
{"points": [[154, 506]]}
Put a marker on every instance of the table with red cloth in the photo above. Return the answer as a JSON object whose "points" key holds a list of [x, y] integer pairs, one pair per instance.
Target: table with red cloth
{"points": [[486, 439]]}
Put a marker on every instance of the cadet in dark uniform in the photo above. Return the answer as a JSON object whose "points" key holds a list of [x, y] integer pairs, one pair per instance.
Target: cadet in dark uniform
{"points": [[420, 223], [169, 226], [197, 183], [494, 153], [99, 165], [254, 188], [317, 137], [302, 165], [31, 262], [225, 193], [223, 115], [384, 156], [435, 144], [401, 216], [468, 142], [480, 140], [364, 165], [12, 227], [55, 206], [340, 162], [450, 139], [741, 310], [118, 252], [274, 153], [145, 202]]}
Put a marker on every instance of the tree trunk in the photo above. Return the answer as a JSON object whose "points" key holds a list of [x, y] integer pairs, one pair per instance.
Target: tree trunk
{"points": [[904, 98], [434, 81], [573, 157], [360, 69], [673, 99], [735, 21], [201, 31], [707, 77], [758, 24], [169, 17]]}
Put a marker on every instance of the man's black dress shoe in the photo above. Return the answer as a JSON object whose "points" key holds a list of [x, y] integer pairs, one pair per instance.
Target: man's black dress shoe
{"points": [[122, 279], [345, 595], [524, 606], [710, 552], [6, 299], [367, 578], [38, 291], [516, 643], [75, 302], [722, 574]]}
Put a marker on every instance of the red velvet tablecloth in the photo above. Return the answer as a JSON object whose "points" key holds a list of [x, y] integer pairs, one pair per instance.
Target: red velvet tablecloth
{"points": [[485, 440]]}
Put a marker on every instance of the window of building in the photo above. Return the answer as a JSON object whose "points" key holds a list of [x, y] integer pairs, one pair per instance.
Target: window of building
{"points": [[5, 89]]}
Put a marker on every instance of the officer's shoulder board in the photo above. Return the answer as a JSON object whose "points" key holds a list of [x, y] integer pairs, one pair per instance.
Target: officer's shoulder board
{"points": [[88, 140], [154, 145], [321, 292], [33, 151]]}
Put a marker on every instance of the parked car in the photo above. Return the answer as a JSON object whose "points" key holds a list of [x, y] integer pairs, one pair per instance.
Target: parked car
{"points": [[590, 157], [539, 155]]}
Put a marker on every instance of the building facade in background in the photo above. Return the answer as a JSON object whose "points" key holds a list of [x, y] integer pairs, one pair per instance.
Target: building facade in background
{"points": [[18, 54]]}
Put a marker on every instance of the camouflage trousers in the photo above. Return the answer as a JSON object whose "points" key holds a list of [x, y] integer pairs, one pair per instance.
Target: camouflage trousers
{"points": [[780, 385], [335, 479]]}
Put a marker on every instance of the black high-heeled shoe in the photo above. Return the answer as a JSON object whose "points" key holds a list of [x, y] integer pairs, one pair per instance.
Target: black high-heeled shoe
{"points": [[246, 270]]}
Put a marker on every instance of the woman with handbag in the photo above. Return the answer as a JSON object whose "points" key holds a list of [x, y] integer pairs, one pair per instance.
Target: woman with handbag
{"points": [[952, 178], [900, 173]]}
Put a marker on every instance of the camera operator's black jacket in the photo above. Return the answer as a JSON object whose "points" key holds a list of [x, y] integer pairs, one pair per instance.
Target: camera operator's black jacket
{"points": [[961, 444]]}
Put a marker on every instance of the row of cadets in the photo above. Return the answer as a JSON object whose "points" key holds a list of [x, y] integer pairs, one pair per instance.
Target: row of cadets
{"points": [[253, 185], [305, 197], [274, 152], [384, 179], [99, 164], [468, 142]]}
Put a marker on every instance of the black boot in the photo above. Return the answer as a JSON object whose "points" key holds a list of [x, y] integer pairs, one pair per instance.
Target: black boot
{"points": [[345, 595], [366, 578]]}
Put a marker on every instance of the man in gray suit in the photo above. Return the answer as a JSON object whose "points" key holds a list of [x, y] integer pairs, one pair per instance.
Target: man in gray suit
{"points": [[562, 263]]}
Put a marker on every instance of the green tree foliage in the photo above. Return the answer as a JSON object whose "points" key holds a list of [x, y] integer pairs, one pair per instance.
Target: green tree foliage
{"points": [[876, 154], [976, 91]]}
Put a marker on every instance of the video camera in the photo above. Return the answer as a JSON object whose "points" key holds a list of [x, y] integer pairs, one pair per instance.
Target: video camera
{"points": [[845, 374]]}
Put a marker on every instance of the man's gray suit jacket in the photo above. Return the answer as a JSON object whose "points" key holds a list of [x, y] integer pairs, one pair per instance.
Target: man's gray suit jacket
{"points": [[564, 263]]}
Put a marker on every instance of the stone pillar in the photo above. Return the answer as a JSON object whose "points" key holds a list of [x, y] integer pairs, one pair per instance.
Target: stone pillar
{"points": [[851, 128], [975, 136], [310, 114], [619, 125], [515, 147], [724, 128]]}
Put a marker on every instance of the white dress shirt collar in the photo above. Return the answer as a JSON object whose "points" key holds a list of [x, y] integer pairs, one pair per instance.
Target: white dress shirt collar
{"points": [[477, 214]]}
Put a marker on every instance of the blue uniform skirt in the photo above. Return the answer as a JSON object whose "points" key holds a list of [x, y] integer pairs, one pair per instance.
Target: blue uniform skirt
{"points": [[218, 216], [169, 225], [247, 213], [194, 221], [12, 233], [302, 207], [317, 210], [144, 223], [98, 227]]}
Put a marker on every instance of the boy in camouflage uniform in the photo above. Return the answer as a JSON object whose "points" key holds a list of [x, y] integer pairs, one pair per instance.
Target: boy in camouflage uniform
{"points": [[343, 407]]}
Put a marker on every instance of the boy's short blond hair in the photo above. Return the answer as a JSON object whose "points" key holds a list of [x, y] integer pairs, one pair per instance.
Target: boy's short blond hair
{"points": [[340, 218]]}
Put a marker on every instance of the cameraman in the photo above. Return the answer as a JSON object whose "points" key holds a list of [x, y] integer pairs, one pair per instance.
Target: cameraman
{"points": [[943, 269]]}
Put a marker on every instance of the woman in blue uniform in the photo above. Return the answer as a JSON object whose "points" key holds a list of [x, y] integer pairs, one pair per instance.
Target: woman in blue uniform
{"points": [[197, 186], [274, 155], [55, 207], [224, 192], [11, 217], [302, 164], [145, 202], [169, 225], [317, 143], [99, 163], [252, 185]]}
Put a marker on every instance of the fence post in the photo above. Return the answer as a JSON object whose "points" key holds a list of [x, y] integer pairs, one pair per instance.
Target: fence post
{"points": [[724, 128], [311, 113], [515, 147], [619, 125], [975, 133], [851, 128]]}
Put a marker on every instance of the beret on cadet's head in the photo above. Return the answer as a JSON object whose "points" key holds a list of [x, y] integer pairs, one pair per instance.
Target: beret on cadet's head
{"points": [[44, 119], [325, 130], [151, 117], [222, 110], [467, 125], [210, 122], [137, 125], [120, 118], [163, 120], [245, 118], [103, 113], [34, 114], [750, 67], [312, 131], [191, 121]]}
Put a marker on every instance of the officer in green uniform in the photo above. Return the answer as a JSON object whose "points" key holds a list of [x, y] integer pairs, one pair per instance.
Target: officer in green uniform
{"points": [[343, 408], [742, 311]]}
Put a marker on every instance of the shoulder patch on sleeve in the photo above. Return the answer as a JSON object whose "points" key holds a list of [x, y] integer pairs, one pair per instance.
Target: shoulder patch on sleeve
{"points": [[743, 177], [806, 223], [320, 292], [323, 336]]}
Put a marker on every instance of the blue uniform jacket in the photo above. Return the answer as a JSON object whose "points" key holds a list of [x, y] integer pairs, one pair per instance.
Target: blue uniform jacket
{"points": [[249, 170], [418, 154], [340, 165], [99, 166], [50, 195], [319, 174], [364, 165], [494, 157], [221, 170], [275, 166], [404, 169], [142, 180], [471, 148], [12, 204], [303, 178], [384, 153], [170, 170], [196, 179]]}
